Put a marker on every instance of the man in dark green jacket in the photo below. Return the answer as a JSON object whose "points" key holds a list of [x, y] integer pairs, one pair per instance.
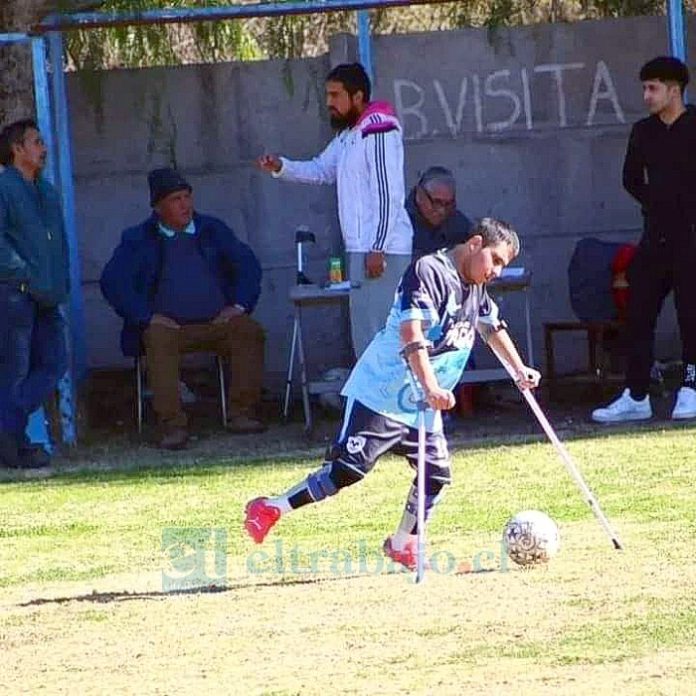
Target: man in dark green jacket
{"points": [[33, 283]]}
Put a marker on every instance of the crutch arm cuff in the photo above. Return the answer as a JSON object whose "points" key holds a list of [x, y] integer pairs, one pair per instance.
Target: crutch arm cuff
{"points": [[414, 347], [488, 330]]}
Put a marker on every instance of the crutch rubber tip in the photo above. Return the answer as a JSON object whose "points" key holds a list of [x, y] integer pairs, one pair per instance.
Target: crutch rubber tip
{"points": [[617, 544]]}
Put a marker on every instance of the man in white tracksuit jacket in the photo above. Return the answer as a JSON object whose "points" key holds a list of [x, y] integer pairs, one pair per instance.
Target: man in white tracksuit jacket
{"points": [[366, 161]]}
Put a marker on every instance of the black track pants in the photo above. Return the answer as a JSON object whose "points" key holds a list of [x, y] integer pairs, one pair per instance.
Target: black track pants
{"points": [[657, 268]]}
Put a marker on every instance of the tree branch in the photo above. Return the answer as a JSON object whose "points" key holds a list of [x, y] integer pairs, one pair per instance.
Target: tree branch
{"points": [[20, 15]]}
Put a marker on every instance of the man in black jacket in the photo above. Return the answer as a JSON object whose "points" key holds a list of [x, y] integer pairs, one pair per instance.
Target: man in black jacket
{"points": [[660, 173]]}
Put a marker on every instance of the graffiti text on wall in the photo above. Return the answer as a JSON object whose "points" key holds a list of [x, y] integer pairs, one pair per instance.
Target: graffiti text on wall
{"points": [[515, 87]]}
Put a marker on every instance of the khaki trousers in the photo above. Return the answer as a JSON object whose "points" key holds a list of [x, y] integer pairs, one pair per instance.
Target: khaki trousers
{"points": [[240, 341]]}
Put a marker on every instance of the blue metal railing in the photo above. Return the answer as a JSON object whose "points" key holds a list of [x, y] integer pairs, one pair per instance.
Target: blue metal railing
{"points": [[181, 15]]}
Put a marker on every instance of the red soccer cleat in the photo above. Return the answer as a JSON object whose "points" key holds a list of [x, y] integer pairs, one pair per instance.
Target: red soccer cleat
{"points": [[260, 517], [407, 557]]}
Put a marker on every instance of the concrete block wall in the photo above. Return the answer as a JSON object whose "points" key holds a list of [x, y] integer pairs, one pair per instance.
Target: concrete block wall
{"points": [[533, 120]]}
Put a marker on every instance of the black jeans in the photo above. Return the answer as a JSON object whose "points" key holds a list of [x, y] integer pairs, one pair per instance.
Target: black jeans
{"points": [[660, 265], [32, 356]]}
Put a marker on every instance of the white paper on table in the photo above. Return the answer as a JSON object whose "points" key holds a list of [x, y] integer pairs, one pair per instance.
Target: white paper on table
{"points": [[514, 272], [343, 285]]}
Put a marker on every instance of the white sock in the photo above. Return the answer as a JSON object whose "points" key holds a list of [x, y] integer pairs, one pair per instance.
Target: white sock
{"points": [[401, 538], [281, 502], [407, 525]]}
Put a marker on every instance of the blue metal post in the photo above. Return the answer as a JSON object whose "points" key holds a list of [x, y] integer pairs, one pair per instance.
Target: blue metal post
{"points": [[677, 36], [42, 97], [365, 42], [67, 190], [37, 428]]}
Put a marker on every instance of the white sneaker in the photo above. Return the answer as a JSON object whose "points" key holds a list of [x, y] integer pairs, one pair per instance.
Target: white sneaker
{"points": [[626, 408], [686, 404]]}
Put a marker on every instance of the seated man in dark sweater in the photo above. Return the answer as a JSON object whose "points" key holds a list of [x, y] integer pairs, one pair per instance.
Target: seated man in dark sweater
{"points": [[183, 282], [432, 207]]}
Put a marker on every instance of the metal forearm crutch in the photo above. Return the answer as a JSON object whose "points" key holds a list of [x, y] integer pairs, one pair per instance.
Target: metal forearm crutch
{"points": [[302, 236], [421, 405], [420, 475], [564, 455]]}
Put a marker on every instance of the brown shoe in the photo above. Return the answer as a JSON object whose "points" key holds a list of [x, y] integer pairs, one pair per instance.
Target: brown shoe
{"points": [[174, 439], [245, 424]]}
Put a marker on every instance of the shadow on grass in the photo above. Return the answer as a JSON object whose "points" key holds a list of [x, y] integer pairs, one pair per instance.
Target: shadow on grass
{"points": [[125, 596]]}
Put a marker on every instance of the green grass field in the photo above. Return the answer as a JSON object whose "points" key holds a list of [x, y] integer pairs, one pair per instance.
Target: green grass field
{"points": [[85, 559]]}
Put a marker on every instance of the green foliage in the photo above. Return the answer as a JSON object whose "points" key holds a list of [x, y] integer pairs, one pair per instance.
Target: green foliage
{"points": [[306, 35], [622, 8], [501, 12], [167, 44]]}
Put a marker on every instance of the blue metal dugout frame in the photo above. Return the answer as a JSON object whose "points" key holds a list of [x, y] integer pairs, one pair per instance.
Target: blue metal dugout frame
{"points": [[53, 118], [677, 29], [59, 172]]}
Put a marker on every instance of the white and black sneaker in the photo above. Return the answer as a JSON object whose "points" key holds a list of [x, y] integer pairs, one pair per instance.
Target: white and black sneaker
{"points": [[624, 409], [685, 406]]}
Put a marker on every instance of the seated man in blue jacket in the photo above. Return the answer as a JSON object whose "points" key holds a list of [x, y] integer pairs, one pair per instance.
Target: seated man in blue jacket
{"points": [[183, 282]]}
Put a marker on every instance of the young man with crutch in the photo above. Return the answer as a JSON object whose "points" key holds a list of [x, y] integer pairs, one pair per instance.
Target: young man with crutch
{"points": [[417, 357]]}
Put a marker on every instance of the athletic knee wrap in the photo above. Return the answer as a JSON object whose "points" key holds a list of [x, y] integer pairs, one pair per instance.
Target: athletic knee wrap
{"points": [[433, 493], [330, 479], [343, 475]]}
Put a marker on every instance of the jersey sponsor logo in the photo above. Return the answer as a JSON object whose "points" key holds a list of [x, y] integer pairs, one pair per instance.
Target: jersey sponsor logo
{"points": [[459, 336], [406, 400]]}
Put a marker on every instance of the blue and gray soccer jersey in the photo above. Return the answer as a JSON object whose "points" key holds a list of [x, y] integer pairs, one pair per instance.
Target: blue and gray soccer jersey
{"points": [[431, 291]]}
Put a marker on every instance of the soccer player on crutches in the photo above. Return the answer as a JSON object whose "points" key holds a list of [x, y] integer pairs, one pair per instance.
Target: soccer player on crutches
{"points": [[415, 360], [429, 396]]}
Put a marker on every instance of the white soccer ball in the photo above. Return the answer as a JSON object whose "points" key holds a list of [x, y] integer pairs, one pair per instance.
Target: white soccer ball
{"points": [[531, 537]]}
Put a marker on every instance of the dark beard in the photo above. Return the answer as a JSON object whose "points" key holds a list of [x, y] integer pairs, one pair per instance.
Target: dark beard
{"points": [[343, 122]]}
